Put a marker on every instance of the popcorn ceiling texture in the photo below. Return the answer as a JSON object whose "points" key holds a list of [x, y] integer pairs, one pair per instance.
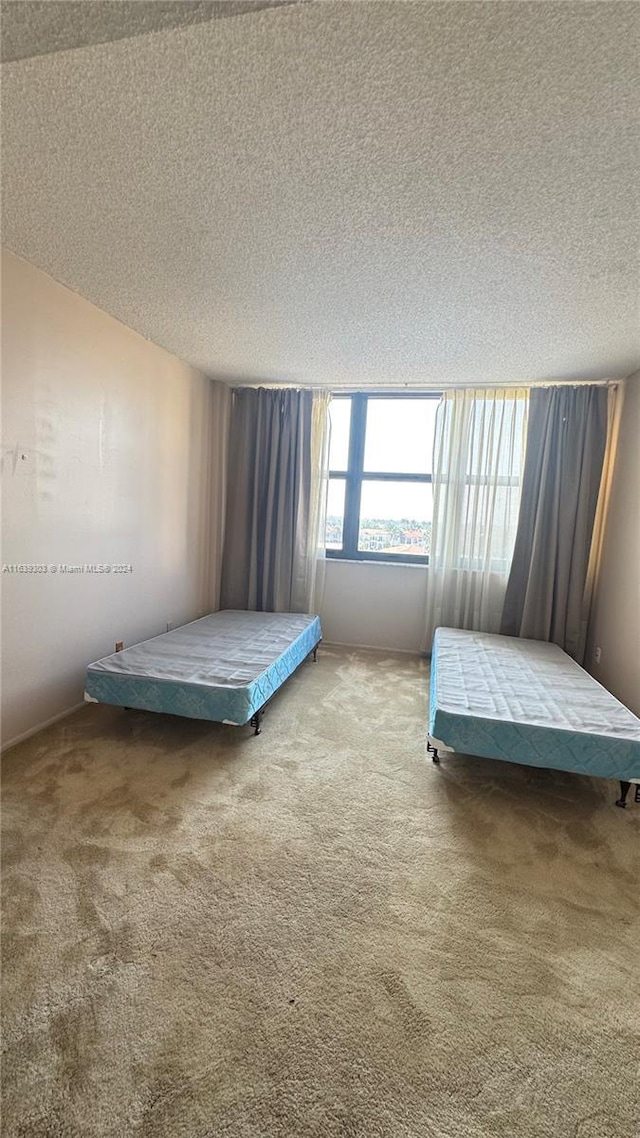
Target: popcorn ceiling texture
{"points": [[346, 193]]}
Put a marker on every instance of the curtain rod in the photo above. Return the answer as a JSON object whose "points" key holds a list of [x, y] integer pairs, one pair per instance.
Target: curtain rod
{"points": [[407, 388]]}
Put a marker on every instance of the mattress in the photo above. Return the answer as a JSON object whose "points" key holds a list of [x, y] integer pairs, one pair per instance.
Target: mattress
{"points": [[526, 701], [222, 667]]}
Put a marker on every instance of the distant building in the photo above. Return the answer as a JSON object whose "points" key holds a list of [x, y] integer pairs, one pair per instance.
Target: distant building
{"points": [[373, 540], [413, 536], [383, 535]]}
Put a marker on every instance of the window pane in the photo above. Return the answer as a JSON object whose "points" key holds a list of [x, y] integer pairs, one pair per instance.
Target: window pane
{"points": [[335, 513], [498, 437], [395, 517], [400, 435], [340, 419], [489, 517]]}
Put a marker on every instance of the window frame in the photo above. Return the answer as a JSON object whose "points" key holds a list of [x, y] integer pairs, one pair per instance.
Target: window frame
{"points": [[355, 475]]}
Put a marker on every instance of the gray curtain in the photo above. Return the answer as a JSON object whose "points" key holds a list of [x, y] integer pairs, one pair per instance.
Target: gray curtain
{"points": [[566, 441], [270, 547]]}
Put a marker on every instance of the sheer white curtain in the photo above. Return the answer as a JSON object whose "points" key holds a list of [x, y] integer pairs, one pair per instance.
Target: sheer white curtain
{"points": [[478, 456], [309, 589]]}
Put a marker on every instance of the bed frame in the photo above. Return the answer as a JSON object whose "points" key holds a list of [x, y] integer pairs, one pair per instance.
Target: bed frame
{"points": [[225, 667], [526, 701], [257, 717], [624, 784]]}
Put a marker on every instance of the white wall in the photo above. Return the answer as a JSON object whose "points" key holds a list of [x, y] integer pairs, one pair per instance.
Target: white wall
{"points": [[374, 604], [112, 451], [615, 624]]}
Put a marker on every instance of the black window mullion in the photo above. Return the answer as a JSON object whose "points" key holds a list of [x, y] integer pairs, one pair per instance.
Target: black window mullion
{"points": [[368, 476], [354, 479]]}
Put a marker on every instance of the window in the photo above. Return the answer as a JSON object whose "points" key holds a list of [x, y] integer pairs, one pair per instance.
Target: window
{"points": [[380, 502]]}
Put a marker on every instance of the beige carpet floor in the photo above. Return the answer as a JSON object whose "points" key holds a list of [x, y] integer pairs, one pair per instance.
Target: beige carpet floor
{"points": [[315, 933]]}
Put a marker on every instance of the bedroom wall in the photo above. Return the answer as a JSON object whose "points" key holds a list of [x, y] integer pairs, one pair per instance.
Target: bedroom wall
{"points": [[105, 441], [373, 604], [615, 625]]}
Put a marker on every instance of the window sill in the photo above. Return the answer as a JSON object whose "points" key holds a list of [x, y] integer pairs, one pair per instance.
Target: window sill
{"points": [[375, 563]]}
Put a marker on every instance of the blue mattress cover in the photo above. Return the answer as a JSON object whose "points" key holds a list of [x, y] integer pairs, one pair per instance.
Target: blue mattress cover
{"points": [[525, 701], [223, 667]]}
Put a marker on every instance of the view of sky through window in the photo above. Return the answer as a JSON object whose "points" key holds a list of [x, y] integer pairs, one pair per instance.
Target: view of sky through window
{"points": [[394, 516], [335, 513], [340, 419], [399, 436]]}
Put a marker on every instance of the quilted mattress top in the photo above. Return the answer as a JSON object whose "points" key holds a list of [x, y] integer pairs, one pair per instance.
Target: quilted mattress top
{"points": [[524, 681], [225, 649]]}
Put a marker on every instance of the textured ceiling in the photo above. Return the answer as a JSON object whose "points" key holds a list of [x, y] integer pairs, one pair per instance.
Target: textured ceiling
{"points": [[346, 193], [37, 27]]}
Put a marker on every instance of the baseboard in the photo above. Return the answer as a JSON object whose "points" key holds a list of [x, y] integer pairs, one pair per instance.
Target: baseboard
{"points": [[40, 727], [370, 647]]}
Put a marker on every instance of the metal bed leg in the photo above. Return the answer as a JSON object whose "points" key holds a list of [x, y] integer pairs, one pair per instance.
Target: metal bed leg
{"points": [[256, 720], [624, 790], [636, 797], [433, 751]]}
